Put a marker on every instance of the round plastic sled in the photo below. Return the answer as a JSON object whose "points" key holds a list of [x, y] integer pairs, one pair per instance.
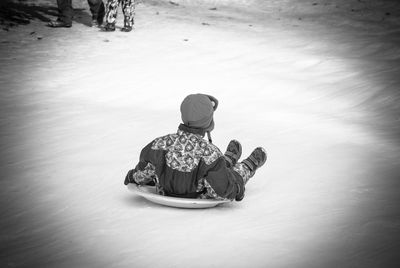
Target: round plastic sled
{"points": [[149, 192]]}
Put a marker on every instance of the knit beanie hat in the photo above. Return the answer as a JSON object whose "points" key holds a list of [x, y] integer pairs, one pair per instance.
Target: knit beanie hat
{"points": [[197, 111]]}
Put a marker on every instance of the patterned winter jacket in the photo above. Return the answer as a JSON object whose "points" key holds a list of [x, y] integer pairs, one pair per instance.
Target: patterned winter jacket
{"points": [[184, 164]]}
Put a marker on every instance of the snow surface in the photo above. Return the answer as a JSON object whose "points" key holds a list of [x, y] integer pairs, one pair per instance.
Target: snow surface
{"points": [[314, 82]]}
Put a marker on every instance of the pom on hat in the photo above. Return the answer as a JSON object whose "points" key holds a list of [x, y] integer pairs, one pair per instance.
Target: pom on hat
{"points": [[197, 111]]}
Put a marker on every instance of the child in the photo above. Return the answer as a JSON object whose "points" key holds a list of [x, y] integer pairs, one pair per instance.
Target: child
{"points": [[184, 164], [128, 7]]}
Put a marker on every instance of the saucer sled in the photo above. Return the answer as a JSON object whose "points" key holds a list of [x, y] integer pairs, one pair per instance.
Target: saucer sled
{"points": [[149, 192]]}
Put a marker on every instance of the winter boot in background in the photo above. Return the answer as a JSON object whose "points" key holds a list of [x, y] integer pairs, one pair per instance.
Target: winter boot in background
{"points": [[233, 153], [109, 27], [256, 159], [97, 21], [126, 29]]}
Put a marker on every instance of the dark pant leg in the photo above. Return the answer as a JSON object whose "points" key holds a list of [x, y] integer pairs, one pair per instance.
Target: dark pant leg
{"points": [[65, 10], [97, 9]]}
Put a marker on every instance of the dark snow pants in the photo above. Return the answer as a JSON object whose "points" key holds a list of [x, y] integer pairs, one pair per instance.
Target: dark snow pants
{"points": [[242, 175], [66, 12], [128, 8]]}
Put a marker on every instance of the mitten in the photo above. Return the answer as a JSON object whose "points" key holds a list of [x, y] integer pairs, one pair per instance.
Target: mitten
{"points": [[129, 177]]}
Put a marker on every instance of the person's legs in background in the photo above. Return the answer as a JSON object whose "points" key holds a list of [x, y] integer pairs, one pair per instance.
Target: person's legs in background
{"points": [[97, 10], [111, 14], [65, 14], [128, 7]]}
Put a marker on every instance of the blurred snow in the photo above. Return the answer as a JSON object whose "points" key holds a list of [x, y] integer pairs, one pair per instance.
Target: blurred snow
{"points": [[314, 82]]}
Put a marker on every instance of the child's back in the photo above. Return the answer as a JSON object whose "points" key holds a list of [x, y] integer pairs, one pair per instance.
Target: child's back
{"points": [[184, 164]]}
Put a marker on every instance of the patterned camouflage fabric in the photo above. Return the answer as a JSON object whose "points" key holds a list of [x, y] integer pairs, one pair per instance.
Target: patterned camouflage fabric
{"points": [[184, 164], [128, 7]]}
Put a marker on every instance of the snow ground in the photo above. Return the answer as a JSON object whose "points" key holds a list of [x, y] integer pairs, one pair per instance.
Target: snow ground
{"points": [[314, 82]]}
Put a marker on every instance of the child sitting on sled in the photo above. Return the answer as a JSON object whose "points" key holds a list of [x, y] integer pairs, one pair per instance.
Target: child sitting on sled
{"points": [[184, 164]]}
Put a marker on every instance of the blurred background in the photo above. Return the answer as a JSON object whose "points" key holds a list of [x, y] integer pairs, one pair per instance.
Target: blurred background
{"points": [[314, 82]]}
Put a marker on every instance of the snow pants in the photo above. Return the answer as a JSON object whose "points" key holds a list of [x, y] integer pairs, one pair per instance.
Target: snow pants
{"points": [[66, 12], [240, 173], [128, 8]]}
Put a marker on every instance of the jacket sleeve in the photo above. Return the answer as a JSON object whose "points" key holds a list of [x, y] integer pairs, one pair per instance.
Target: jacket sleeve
{"points": [[222, 182], [145, 171]]}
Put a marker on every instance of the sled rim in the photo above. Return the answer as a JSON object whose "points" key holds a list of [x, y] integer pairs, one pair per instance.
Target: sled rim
{"points": [[148, 192]]}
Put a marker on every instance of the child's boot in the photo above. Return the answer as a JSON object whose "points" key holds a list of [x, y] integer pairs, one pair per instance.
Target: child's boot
{"points": [[128, 18], [109, 27], [233, 153], [126, 29], [256, 159], [129, 177]]}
